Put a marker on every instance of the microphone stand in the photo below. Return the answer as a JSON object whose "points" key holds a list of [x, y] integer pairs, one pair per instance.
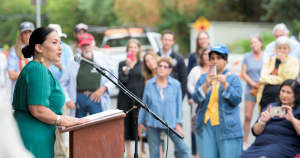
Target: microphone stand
{"points": [[137, 105]]}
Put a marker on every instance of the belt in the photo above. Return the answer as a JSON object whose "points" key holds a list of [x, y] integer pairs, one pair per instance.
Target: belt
{"points": [[86, 92]]}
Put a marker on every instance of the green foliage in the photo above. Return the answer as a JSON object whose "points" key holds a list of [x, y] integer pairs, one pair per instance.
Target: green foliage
{"points": [[177, 22], [243, 45], [172, 14], [9, 25], [282, 11], [66, 13]]}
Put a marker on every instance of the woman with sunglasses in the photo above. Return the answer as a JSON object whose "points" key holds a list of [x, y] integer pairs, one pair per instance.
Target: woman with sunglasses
{"points": [[163, 96]]}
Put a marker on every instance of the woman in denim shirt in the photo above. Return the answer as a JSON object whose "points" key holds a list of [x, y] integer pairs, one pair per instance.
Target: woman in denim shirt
{"points": [[219, 132], [163, 96]]}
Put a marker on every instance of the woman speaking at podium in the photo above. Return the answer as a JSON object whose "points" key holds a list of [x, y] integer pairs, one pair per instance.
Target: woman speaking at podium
{"points": [[38, 97]]}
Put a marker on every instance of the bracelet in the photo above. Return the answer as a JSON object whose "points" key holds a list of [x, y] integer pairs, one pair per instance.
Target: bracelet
{"points": [[58, 120], [262, 123]]}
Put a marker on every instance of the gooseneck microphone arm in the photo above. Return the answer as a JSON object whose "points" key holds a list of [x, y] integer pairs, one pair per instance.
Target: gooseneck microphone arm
{"points": [[138, 102]]}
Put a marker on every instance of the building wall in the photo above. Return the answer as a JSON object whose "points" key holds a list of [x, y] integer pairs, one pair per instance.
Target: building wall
{"points": [[228, 32]]}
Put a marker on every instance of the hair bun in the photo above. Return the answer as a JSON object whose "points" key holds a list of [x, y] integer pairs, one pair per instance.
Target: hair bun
{"points": [[27, 52]]}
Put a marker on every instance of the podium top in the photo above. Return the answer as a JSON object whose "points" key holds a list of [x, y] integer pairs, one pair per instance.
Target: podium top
{"points": [[101, 117]]}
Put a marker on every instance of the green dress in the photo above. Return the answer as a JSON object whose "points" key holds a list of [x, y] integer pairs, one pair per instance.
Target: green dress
{"points": [[37, 86]]}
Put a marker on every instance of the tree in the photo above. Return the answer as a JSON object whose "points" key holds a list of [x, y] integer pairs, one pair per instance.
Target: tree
{"points": [[283, 11], [10, 24]]}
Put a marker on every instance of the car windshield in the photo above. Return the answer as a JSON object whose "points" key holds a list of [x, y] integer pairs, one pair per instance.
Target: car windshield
{"points": [[121, 42]]}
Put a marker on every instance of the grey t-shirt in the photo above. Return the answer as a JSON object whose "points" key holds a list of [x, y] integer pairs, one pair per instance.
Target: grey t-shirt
{"points": [[253, 68]]}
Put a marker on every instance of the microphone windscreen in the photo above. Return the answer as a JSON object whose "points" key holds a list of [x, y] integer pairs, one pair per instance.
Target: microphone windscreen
{"points": [[77, 58]]}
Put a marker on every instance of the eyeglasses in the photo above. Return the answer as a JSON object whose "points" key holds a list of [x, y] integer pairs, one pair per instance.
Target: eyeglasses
{"points": [[164, 67]]}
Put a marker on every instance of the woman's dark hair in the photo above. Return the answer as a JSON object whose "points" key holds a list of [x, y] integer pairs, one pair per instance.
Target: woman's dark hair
{"points": [[294, 84], [38, 36], [223, 56], [200, 59]]}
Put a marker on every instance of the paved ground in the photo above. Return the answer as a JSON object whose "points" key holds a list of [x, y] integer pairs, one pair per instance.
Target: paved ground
{"points": [[186, 119]]}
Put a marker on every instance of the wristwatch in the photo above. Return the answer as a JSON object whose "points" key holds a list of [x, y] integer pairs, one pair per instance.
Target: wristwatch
{"points": [[125, 67], [58, 120]]}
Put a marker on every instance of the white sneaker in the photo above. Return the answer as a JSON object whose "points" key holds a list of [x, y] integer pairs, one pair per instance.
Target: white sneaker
{"points": [[245, 146]]}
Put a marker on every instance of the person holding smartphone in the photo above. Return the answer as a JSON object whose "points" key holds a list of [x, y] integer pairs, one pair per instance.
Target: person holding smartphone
{"points": [[275, 70], [130, 74], [218, 93], [278, 136]]}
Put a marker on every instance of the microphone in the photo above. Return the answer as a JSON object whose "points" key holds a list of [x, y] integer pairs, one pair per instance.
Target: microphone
{"points": [[80, 59]]}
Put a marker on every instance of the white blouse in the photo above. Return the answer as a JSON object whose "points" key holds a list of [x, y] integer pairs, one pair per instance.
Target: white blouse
{"points": [[192, 79]]}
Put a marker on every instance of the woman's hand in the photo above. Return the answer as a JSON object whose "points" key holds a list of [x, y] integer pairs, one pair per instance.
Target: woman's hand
{"points": [[68, 121], [265, 116], [71, 105], [179, 129], [289, 113], [58, 65], [209, 79], [255, 85], [141, 128], [128, 63], [281, 56], [222, 79], [191, 101]]}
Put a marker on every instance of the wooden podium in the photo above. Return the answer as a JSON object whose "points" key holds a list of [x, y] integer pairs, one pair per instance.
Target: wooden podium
{"points": [[103, 137]]}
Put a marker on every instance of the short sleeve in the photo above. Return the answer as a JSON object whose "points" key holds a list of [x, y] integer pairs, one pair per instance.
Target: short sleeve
{"points": [[38, 86], [245, 60], [12, 61]]}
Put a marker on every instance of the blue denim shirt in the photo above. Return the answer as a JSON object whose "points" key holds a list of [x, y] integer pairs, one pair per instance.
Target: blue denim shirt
{"points": [[67, 54], [168, 109], [229, 112]]}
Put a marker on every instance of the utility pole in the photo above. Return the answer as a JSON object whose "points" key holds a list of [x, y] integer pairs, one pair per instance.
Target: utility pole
{"points": [[38, 14]]}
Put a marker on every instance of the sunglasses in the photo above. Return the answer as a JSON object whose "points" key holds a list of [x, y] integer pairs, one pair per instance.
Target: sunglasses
{"points": [[164, 67]]}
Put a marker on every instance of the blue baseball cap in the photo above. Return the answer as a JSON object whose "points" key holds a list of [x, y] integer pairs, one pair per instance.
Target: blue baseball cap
{"points": [[220, 48]]}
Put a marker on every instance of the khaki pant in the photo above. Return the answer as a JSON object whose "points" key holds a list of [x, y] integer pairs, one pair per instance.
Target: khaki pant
{"points": [[60, 148]]}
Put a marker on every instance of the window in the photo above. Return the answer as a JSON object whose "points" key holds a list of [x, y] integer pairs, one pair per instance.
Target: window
{"points": [[122, 42]]}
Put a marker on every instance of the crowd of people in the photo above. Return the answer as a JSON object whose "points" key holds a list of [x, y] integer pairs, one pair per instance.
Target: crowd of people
{"points": [[50, 89]]}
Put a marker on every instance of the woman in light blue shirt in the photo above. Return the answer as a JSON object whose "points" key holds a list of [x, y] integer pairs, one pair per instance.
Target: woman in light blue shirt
{"points": [[16, 61], [163, 96]]}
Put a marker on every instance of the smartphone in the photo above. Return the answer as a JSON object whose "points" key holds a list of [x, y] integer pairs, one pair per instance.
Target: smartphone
{"points": [[277, 111], [130, 55]]}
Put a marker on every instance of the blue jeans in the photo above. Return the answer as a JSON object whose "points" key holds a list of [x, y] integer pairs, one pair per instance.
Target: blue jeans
{"points": [[154, 143], [210, 145], [86, 105]]}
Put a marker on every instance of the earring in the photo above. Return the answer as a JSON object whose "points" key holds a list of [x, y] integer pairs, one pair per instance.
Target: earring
{"points": [[42, 60]]}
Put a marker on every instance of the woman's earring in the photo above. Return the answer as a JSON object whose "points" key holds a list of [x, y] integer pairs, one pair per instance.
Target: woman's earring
{"points": [[42, 60]]}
